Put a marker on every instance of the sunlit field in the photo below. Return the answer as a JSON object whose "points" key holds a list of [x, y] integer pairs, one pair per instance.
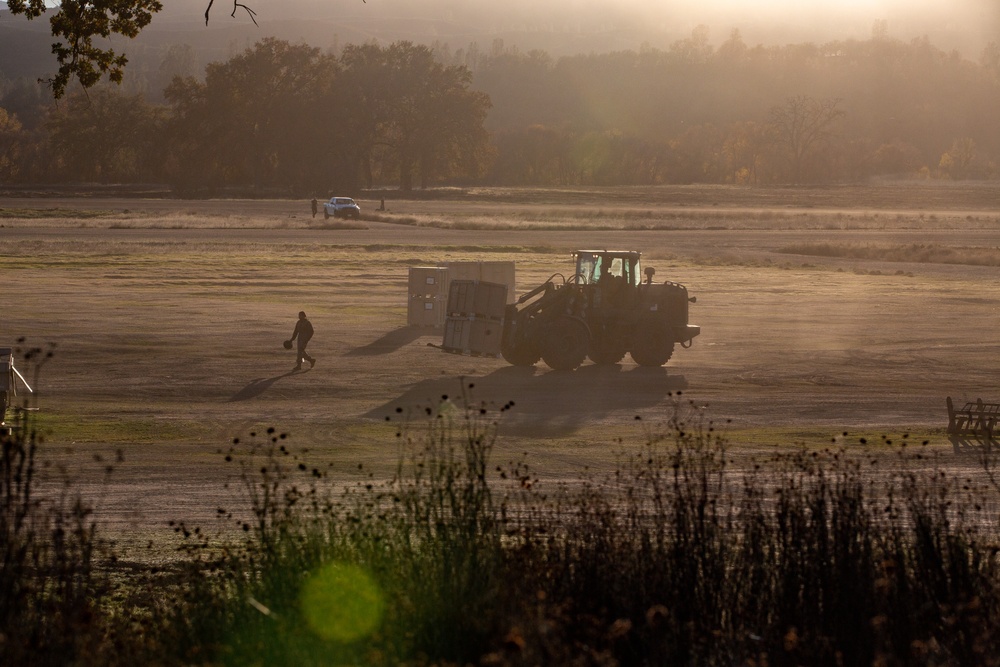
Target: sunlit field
{"points": [[835, 322], [893, 206], [168, 315]]}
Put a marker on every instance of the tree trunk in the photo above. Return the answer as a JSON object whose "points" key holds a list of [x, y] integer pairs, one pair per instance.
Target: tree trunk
{"points": [[405, 174]]}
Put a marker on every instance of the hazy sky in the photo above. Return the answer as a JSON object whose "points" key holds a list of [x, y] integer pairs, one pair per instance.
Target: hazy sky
{"points": [[950, 23], [973, 15], [966, 25]]}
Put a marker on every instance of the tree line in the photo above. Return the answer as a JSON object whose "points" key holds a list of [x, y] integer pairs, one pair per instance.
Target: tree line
{"points": [[840, 111], [276, 118], [292, 119]]}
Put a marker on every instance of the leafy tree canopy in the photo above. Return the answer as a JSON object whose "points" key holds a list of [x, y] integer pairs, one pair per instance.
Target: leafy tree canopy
{"points": [[77, 23]]}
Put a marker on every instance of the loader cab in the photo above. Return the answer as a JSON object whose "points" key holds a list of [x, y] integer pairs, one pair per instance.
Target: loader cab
{"points": [[594, 267]]}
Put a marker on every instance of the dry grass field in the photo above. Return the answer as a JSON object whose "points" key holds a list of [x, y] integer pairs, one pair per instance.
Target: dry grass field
{"points": [[823, 311]]}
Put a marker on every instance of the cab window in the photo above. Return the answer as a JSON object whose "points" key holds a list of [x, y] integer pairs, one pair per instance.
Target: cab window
{"points": [[588, 267]]}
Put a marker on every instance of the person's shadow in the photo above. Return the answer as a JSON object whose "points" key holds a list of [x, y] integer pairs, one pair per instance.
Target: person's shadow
{"points": [[258, 386]]}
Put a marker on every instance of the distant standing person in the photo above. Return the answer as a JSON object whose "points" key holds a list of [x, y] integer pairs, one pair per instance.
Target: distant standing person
{"points": [[315, 207], [303, 332]]}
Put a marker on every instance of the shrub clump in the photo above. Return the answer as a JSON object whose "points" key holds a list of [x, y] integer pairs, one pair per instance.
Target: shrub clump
{"points": [[52, 590], [675, 557]]}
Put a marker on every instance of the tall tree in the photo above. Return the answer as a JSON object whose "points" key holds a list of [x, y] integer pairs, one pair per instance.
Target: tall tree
{"points": [[415, 114], [744, 149], [535, 155], [990, 60], [366, 90], [11, 139], [105, 137], [959, 162], [27, 100], [450, 139], [801, 126], [178, 61], [260, 118]]}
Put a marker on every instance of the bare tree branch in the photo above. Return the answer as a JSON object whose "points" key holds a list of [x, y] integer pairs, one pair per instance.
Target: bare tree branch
{"points": [[251, 12], [236, 5]]}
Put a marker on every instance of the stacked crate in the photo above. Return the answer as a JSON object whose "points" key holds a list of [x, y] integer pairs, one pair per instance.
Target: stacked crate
{"points": [[475, 317], [491, 272], [429, 286], [428, 294]]}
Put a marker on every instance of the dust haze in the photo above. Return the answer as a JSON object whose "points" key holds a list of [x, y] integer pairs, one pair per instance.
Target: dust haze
{"points": [[565, 26]]}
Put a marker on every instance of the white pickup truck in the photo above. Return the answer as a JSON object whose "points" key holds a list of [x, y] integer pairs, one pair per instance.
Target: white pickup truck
{"points": [[341, 207]]}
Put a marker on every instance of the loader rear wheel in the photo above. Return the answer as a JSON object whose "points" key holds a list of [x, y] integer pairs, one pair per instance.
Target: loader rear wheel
{"points": [[652, 347], [565, 343], [523, 353]]}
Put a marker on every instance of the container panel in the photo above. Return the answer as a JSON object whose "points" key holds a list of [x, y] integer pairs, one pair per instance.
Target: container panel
{"points": [[425, 312], [491, 272], [484, 337], [491, 300], [475, 298], [462, 298], [473, 336], [501, 273], [463, 270], [428, 281], [456, 334]]}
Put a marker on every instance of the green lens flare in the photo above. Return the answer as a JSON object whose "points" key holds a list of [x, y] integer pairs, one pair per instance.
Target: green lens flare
{"points": [[341, 602]]}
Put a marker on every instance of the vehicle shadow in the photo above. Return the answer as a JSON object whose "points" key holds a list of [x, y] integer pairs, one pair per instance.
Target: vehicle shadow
{"points": [[390, 342], [258, 386], [545, 403]]}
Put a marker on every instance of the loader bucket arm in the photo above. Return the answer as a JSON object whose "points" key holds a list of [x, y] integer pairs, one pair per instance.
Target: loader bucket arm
{"points": [[548, 284]]}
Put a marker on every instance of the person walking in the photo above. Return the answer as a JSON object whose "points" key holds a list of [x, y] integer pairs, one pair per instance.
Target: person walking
{"points": [[304, 333], [315, 207]]}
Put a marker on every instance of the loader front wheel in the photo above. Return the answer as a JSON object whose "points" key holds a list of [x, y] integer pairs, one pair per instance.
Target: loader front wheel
{"points": [[522, 353], [565, 343]]}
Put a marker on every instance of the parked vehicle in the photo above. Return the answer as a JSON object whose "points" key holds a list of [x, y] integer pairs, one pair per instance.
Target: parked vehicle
{"points": [[341, 207]]}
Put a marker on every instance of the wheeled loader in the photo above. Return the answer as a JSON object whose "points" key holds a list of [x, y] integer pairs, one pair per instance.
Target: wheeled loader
{"points": [[608, 308]]}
